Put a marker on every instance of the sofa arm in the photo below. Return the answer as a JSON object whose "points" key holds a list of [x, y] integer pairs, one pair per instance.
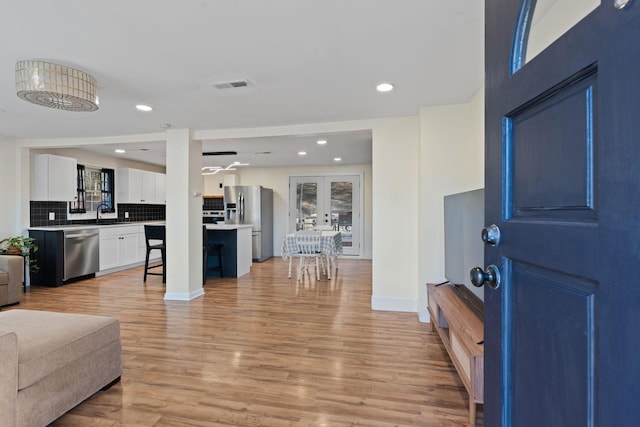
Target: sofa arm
{"points": [[8, 377], [14, 266]]}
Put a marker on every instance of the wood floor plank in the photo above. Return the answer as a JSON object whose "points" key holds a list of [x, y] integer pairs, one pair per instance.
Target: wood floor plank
{"points": [[263, 350]]}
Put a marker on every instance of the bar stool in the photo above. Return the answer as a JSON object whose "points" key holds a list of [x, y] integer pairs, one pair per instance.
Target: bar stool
{"points": [[155, 232], [208, 250]]}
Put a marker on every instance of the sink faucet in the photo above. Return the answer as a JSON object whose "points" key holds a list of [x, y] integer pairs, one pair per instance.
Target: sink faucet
{"points": [[101, 205]]}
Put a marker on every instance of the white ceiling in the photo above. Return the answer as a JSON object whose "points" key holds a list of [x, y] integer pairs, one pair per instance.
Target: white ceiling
{"points": [[309, 62]]}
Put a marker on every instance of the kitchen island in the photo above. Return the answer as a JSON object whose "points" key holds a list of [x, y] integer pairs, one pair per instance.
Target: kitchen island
{"points": [[237, 251]]}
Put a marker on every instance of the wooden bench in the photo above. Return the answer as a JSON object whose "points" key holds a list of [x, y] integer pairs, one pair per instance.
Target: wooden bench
{"points": [[457, 316]]}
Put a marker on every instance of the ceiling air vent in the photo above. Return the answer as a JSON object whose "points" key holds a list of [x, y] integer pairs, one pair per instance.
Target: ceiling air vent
{"points": [[236, 84]]}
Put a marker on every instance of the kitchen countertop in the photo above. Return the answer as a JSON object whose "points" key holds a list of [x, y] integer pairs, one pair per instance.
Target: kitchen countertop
{"points": [[91, 226], [227, 226], [125, 224]]}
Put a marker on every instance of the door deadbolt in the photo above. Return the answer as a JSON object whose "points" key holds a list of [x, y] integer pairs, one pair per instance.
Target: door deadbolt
{"points": [[491, 235]]}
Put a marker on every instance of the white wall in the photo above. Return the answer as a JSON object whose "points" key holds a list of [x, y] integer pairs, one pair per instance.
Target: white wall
{"points": [[92, 159], [211, 184], [395, 214], [451, 161], [277, 178], [10, 189]]}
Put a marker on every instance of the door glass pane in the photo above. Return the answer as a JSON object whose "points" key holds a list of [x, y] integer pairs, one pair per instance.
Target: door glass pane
{"points": [[342, 210], [306, 205], [552, 18]]}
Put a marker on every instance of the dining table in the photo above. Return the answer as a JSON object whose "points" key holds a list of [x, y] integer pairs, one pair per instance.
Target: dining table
{"points": [[329, 244]]}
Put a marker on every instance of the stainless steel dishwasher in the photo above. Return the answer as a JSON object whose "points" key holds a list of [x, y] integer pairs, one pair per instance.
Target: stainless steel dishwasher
{"points": [[81, 252]]}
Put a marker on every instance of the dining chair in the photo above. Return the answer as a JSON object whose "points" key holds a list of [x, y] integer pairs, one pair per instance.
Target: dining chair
{"points": [[308, 246], [325, 261], [155, 233], [292, 246]]}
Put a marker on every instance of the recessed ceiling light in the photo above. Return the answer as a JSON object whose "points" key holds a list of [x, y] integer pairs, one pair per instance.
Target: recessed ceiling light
{"points": [[384, 87], [337, 159], [119, 151], [143, 107], [322, 141], [302, 153]]}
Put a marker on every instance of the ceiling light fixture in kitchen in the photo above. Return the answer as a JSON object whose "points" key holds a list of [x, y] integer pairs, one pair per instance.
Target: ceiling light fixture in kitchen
{"points": [[212, 170], [337, 159], [143, 107], [119, 151], [302, 153], [56, 86], [322, 141]]}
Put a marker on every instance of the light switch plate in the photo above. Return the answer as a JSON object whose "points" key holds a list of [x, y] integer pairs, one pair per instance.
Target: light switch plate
{"points": [[52, 216], [126, 215]]}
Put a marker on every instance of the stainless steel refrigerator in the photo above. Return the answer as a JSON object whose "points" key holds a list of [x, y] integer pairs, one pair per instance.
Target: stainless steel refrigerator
{"points": [[252, 204]]}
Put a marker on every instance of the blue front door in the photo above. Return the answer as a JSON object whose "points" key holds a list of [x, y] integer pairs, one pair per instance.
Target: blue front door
{"points": [[562, 344]]}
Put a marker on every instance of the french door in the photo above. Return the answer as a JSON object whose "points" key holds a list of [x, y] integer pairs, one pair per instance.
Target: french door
{"points": [[330, 203]]}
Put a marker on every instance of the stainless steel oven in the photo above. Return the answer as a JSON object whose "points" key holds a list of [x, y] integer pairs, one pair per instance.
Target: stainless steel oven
{"points": [[212, 216]]}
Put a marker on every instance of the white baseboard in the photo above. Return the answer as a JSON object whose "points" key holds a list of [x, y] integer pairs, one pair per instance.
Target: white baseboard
{"points": [[183, 297], [394, 304]]}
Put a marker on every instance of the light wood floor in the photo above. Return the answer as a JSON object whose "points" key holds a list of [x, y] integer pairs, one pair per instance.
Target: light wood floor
{"points": [[263, 350]]}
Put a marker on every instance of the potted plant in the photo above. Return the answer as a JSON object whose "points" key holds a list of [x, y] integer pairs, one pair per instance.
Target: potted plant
{"points": [[20, 245]]}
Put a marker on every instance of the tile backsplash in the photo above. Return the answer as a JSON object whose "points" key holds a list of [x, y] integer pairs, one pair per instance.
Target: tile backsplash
{"points": [[39, 214]]}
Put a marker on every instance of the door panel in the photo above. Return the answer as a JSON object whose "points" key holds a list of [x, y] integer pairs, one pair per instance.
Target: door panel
{"points": [[550, 150], [552, 363], [561, 184], [344, 205], [306, 195]]}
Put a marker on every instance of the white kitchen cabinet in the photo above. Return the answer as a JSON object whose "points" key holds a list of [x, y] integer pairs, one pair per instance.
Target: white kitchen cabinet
{"points": [[161, 189], [148, 187], [119, 246], [138, 186], [54, 178], [128, 185]]}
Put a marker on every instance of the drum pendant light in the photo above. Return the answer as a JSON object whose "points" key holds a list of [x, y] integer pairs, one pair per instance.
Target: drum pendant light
{"points": [[56, 86]]}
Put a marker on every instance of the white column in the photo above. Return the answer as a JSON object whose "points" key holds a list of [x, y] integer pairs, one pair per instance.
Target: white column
{"points": [[184, 216]]}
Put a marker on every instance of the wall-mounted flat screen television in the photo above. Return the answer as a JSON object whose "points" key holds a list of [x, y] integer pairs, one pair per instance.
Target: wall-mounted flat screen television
{"points": [[463, 246]]}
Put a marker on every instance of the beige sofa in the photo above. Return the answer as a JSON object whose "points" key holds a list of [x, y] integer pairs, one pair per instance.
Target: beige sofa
{"points": [[11, 277], [53, 361]]}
